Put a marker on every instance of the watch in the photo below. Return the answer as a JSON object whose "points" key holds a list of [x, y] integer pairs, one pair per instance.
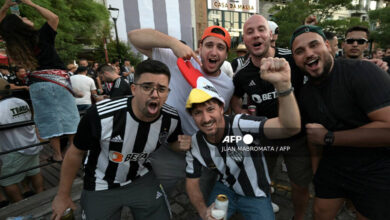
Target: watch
{"points": [[329, 139]]}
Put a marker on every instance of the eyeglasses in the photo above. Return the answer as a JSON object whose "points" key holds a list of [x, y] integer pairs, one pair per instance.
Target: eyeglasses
{"points": [[148, 89], [359, 41]]}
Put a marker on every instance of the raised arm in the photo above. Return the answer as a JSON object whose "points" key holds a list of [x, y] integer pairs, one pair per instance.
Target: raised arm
{"points": [[288, 123], [5, 7], [147, 39], [51, 18]]}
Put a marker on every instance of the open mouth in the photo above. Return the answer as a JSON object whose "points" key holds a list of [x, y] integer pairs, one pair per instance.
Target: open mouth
{"points": [[208, 124], [152, 107], [213, 61], [312, 63], [257, 44]]}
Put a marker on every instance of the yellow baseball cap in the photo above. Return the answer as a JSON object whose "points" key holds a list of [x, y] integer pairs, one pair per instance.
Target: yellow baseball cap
{"points": [[202, 93]]}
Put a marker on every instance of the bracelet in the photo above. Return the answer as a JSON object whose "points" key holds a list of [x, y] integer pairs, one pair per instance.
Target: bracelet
{"points": [[94, 95], [285, 92]]}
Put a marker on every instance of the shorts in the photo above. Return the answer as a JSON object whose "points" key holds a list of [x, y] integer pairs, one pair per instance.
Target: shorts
{"points": [[55, 111], [297, 159], [15, 162], [251, 208], [369, 190], [145, 197]]}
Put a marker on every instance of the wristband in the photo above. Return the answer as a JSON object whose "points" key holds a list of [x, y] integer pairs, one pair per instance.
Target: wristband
{"points": [[94, 95], [285, 92], [329, 139]]}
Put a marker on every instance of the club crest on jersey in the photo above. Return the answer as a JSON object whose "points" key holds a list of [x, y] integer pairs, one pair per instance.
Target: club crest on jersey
{"points": [[163, 137], [116, 157]]}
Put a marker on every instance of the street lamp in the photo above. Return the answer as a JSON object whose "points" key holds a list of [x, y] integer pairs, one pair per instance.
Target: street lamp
{"points": [[114, 18]]}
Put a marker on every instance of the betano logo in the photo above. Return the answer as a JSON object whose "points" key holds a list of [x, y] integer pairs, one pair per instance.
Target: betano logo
{"points": [[247, 139], [117, 157]]}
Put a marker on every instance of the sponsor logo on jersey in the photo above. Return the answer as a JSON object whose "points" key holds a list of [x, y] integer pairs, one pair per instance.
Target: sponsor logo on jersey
{"points": [[118, 157]]}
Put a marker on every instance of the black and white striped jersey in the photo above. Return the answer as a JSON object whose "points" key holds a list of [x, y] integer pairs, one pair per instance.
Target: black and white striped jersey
{"points": [[240, 168], [119, 144]]}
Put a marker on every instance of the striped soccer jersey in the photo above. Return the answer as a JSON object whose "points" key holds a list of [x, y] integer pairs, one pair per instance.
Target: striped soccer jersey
{"points": [[244, 171], [119, 144]]}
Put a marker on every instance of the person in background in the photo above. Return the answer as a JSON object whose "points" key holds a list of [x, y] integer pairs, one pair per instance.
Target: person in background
{"points": [[55, 111], [275, 32], [333, 42], [242, 56], [378, 53], [120, 85], [86, 86], [13, 110], [71, 69]]}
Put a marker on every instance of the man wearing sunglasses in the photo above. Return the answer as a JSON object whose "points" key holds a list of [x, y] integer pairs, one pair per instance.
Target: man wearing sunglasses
{"points": [[356, 42]]}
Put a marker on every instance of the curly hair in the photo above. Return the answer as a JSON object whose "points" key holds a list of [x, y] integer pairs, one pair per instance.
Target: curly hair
{"points": [[20, 40]]}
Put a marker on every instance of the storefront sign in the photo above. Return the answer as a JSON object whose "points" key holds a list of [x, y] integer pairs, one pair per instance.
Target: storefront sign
{"points": [[250, 6]]}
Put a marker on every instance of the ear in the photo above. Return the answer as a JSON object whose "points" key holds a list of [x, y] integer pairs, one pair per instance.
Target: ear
{"points": [[132, 87], [327, 44]]}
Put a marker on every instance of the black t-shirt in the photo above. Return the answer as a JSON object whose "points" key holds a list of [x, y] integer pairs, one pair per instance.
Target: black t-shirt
{"points": [[120, 87], [353, 89], [45, 51], [17, 81], [260, 92]]}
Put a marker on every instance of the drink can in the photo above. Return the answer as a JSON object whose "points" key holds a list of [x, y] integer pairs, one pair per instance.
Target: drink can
{"points": [[68, 214], [221, 203], [252, 110]]}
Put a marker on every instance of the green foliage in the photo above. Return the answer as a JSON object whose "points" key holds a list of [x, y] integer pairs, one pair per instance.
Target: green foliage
{"points": [[381, 19], [83, 25], [125, 51], [293, 14]]}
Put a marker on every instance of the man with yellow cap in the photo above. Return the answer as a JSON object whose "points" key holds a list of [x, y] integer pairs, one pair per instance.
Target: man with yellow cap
{"points": [[232, 145]]}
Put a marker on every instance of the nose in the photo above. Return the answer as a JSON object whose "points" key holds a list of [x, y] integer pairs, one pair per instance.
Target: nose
{"points": [[154, 93], [206, 117]]}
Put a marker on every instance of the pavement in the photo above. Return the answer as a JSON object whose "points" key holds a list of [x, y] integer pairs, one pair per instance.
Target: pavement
{"points": [[183, 210]]}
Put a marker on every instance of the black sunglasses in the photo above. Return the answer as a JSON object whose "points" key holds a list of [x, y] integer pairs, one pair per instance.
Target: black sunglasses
{"points": [[359, 41]]}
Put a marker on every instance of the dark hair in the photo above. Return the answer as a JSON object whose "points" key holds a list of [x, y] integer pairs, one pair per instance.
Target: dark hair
{"points": [[218, 31], [151, 66], [20, 40], [105, 68], [329, 35], [357, 28], [17, 68], [189, 110]]}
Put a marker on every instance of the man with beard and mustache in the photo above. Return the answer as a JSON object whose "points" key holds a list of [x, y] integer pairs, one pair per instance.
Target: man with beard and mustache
{"points": [[243, 176], [213, 51], [262, 94], [346, 105], [119, 135]]}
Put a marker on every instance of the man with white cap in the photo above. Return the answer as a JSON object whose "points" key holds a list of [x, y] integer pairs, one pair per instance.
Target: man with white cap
{"points": [[232, 145], [275, 32]]}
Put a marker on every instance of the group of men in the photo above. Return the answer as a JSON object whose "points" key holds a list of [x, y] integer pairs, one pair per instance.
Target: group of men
{"points": [[344, 106]]}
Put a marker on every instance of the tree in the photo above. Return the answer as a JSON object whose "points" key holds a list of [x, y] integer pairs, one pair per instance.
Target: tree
{"points": [[381, 19], [124, 49], [82, 23], [293, 14]]}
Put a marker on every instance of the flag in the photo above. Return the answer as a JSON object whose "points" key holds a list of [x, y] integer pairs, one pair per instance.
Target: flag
{"points": [[172, 17]]}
